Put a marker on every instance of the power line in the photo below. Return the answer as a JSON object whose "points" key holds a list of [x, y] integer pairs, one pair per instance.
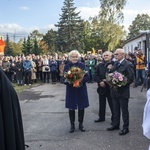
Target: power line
{"points": [[13, 35]]}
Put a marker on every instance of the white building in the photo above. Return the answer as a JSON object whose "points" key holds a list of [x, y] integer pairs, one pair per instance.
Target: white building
{"points": [[142, 41]]}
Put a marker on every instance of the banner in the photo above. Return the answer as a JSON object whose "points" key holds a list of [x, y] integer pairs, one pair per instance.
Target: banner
{"points": [[2, 46]]}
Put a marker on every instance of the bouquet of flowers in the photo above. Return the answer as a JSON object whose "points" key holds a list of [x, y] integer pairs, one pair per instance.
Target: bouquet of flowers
{"points": [[116, 79], [74, 76]]}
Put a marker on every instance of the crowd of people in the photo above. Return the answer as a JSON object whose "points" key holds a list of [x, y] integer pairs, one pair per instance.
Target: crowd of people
{"points": [[26, 70]]}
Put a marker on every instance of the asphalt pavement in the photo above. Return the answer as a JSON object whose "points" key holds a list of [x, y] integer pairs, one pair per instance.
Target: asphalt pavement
{"points": [[46, 121]]}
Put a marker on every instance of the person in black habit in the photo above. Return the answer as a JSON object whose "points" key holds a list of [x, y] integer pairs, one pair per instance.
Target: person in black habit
{"points": [[103, 89], [11, 127], [121, 96]]}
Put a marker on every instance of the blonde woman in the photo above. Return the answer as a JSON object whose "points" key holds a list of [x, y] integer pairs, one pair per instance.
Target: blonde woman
{"points": [[76, 97]]}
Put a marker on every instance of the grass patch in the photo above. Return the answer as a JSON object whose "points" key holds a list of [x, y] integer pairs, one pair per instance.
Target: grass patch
{"points": [[20, 88]]}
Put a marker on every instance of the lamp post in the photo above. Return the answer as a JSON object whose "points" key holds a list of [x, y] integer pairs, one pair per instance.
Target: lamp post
{"points": [[147, 33]]}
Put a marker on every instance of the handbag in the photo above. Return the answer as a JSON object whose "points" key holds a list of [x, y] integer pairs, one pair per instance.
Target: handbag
{"points": [[45, 69]]}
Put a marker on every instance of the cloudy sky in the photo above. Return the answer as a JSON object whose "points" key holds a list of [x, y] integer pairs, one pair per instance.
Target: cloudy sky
{"points": [[23, 16]]}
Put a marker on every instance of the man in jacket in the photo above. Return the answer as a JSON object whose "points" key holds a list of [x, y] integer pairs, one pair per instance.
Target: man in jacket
{"points": [[140, 63], [27, 65], [103, 87], [120, 96]]}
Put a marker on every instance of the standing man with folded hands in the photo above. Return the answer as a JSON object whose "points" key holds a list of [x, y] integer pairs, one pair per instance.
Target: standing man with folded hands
{"points": [[103, 89]]}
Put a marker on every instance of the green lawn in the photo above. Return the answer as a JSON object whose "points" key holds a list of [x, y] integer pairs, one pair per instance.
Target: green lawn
{"points": [[21, 88]]}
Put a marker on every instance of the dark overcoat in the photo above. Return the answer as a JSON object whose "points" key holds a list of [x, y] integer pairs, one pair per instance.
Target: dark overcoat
{"points": [[19, 70], [77, 98], [11, 127], [127, 69], [100, 75]]}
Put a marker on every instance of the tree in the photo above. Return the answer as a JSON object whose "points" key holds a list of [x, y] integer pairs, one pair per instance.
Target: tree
{"points": [[16, 48], [141, 22], [24, 46], [29, 46], [35, 34], [35, 38], [36, 49], [8, 49], [43, 47], [109, 18], [69, 28], [111, 10], [50, 39]]}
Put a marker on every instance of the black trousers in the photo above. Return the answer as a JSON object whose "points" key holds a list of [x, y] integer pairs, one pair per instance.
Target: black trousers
{"points": [[120, 105], [54, 76], [102, 105], [27, 76]]}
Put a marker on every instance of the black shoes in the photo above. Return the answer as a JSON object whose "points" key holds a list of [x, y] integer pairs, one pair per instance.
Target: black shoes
{"points": [[124, 131], [113, 128], [72, 129], [99, 120], [81, 128]]}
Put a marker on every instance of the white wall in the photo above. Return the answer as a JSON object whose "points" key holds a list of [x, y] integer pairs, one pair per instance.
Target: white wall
{"points": [[137, 42]]}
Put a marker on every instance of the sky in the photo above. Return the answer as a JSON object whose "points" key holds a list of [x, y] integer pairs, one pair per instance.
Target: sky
{"points": [[21, 17]]}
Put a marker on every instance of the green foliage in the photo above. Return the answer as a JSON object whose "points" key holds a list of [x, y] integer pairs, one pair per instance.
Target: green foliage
{"points": [[50, 38], [24, 46], [36, 49], [111, 10], [16, 48], [29, 46], [69, 28], [8, 48], [107, 23], [36, 35], [141, 22]]}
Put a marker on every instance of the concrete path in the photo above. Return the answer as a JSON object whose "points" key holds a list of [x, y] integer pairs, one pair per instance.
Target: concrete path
{"points": [[46, 122]]}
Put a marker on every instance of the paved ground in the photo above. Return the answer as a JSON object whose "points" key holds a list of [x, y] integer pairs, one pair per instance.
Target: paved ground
{"points": [[46, 122]]}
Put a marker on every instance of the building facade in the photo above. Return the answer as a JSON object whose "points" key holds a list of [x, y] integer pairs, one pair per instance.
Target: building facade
{"points": [[142, 41]]}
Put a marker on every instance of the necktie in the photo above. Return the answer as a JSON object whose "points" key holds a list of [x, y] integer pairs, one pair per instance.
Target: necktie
{"points": [[118, 63]]}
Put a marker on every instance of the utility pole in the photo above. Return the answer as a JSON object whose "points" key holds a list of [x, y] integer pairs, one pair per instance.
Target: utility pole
{"points": [[14, 36]]}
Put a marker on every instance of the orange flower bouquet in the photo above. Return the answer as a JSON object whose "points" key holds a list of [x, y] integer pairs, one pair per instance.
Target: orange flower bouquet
{"points": [[74, 76]]}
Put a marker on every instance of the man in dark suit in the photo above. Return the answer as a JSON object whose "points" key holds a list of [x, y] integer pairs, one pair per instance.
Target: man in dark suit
{"points": [[121, 96], [103, 87]]}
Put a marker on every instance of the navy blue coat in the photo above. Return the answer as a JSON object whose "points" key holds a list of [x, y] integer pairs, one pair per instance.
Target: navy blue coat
{"points": [[77, 98]]}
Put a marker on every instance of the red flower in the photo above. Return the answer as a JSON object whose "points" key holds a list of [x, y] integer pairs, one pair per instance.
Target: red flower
{"points": [[70, 76]]}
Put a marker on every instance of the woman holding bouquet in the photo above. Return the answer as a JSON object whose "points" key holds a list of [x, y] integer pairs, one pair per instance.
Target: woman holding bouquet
{"points": [[75, 78]]}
